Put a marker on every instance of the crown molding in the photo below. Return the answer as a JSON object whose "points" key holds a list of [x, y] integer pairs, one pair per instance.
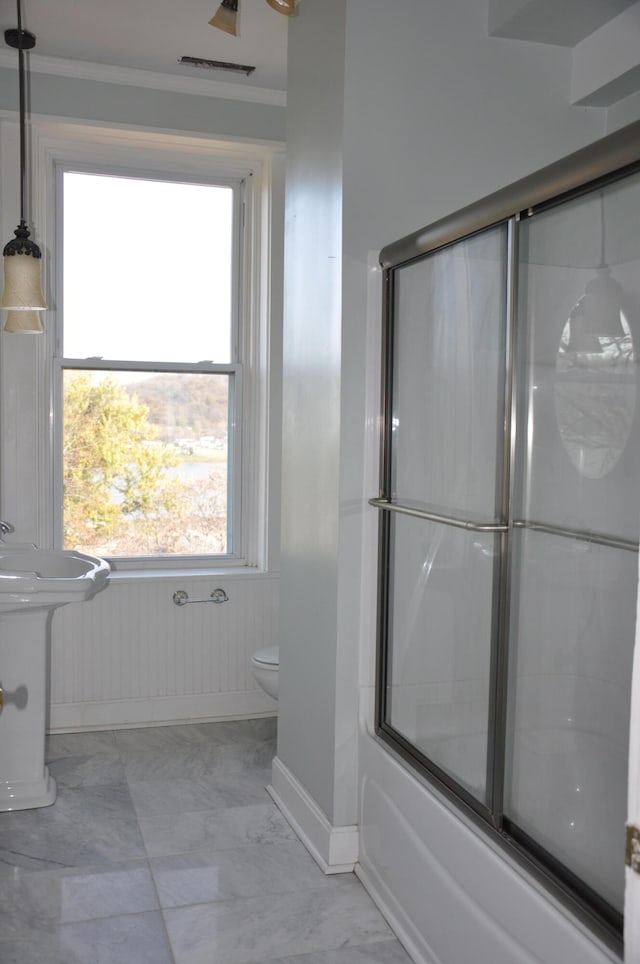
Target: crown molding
{"points": [[132, 77]]}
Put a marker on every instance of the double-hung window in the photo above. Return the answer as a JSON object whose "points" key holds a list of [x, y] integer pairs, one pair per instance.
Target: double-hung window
{"points": [[149, 367]]}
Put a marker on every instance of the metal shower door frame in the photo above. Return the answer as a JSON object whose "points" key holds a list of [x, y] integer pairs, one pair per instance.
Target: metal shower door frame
{"points": [[604, 162]]}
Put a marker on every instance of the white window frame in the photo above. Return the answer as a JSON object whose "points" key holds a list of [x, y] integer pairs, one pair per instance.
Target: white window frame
{"points": [[234, 369], [58, 146]]}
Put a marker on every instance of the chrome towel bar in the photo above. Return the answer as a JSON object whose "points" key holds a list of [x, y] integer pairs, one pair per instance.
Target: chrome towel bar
{"points": [[597, 538], [181, 598]]}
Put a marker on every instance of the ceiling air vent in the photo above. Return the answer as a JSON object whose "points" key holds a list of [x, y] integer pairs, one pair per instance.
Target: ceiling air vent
{"points": [[216, 65]]}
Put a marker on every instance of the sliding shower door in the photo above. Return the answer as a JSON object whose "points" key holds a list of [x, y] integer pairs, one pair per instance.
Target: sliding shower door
{"points": [[509, 524], [445, 476], [576, 514]]}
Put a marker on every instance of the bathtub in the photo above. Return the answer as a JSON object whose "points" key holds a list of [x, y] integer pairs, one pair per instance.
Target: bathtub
{"points": [[450, 892]]}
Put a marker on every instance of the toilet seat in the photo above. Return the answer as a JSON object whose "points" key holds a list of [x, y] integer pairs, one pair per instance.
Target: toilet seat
{"points": [[269, 656]]}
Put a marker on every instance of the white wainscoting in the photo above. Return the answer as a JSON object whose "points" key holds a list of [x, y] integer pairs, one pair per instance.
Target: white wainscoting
{"points": [[131, 657]]}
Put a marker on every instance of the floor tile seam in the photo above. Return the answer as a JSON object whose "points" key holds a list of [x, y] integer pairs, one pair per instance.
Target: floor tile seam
{"points": [[188, 743], [23, 935], [69, 870], [176, 813], [165, 928], [310, 954], [212, 810], [53, 758], [228, 901], [60, 870], [157, 894], [326, 949], [210, 852], [52, 864], [109, 752], [203, 773], [122, 784], [199, 850], [239, 899]]}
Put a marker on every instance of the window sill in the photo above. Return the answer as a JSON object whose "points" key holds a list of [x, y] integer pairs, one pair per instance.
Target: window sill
{"points": [[149, 576]]}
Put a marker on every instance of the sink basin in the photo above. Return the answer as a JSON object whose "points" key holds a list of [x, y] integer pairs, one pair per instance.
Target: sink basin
{"points": [[33, 582], [47, 578]]}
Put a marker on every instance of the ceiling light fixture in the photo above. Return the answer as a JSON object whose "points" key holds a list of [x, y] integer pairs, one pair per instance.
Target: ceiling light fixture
{"points": [[226, 17], [288, 7], [22, 295]]}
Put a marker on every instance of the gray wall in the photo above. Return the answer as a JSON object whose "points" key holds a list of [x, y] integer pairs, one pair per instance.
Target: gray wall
{"points": [[397, 114], [121, 104], [311, 398]]}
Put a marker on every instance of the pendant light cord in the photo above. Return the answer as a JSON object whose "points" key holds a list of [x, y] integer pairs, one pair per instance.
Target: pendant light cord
{"points": [[603, 263], [22, 40], [23, 145]]}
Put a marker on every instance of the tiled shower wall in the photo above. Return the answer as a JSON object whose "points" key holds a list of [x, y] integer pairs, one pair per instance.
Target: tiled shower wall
{"points": [[131, 656]]}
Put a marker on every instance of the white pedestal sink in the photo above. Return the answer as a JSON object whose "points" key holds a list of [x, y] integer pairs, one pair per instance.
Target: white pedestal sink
{"points": [[33, 582]]}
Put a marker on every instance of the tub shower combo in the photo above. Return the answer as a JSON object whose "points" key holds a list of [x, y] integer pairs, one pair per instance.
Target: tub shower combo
{"points": [[509, 515]]}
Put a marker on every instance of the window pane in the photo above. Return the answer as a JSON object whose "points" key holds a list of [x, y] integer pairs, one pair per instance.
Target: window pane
{"points": [[146, 463], [573, 634], [147, 269], [448, 377], [440, 641]]}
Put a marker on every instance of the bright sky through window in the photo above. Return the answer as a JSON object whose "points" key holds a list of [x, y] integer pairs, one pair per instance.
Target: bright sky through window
{"points": [[147, 269]]}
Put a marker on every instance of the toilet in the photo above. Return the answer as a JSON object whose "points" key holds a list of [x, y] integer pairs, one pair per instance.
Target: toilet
{"points": [[266, 665]]}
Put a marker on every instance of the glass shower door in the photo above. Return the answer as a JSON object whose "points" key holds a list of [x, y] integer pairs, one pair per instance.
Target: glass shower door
{"points": [[573, 561], [444, 479], [509, 522]]}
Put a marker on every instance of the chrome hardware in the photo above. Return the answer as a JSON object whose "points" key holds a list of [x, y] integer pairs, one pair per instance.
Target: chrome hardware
{"points": [[6, 528], [597, 538], [181, 598], [632, 854], [447, 520]]}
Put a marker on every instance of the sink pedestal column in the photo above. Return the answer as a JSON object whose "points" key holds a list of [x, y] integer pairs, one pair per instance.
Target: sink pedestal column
{"points": [[25, 781]]}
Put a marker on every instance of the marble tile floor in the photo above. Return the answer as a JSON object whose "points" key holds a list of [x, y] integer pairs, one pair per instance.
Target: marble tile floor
{"points": [[163, 847]]}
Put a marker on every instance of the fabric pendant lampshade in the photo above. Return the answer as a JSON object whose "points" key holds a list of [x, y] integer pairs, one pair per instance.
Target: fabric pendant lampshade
{"points": [[226, 17], [25, 322], [287, 7], [22, 284]]}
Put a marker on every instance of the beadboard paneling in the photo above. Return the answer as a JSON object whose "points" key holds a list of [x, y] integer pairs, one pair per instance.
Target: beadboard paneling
{"points": [[131, 656]]}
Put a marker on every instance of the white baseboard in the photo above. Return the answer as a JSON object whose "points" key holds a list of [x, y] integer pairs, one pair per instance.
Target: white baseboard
{"points": [[391, 910], [335, 849], [113, 714]]}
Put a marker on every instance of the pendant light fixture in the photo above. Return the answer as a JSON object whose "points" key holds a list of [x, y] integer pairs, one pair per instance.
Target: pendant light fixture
{"points": [[24, 322], [22, 294], [226, 17]]}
